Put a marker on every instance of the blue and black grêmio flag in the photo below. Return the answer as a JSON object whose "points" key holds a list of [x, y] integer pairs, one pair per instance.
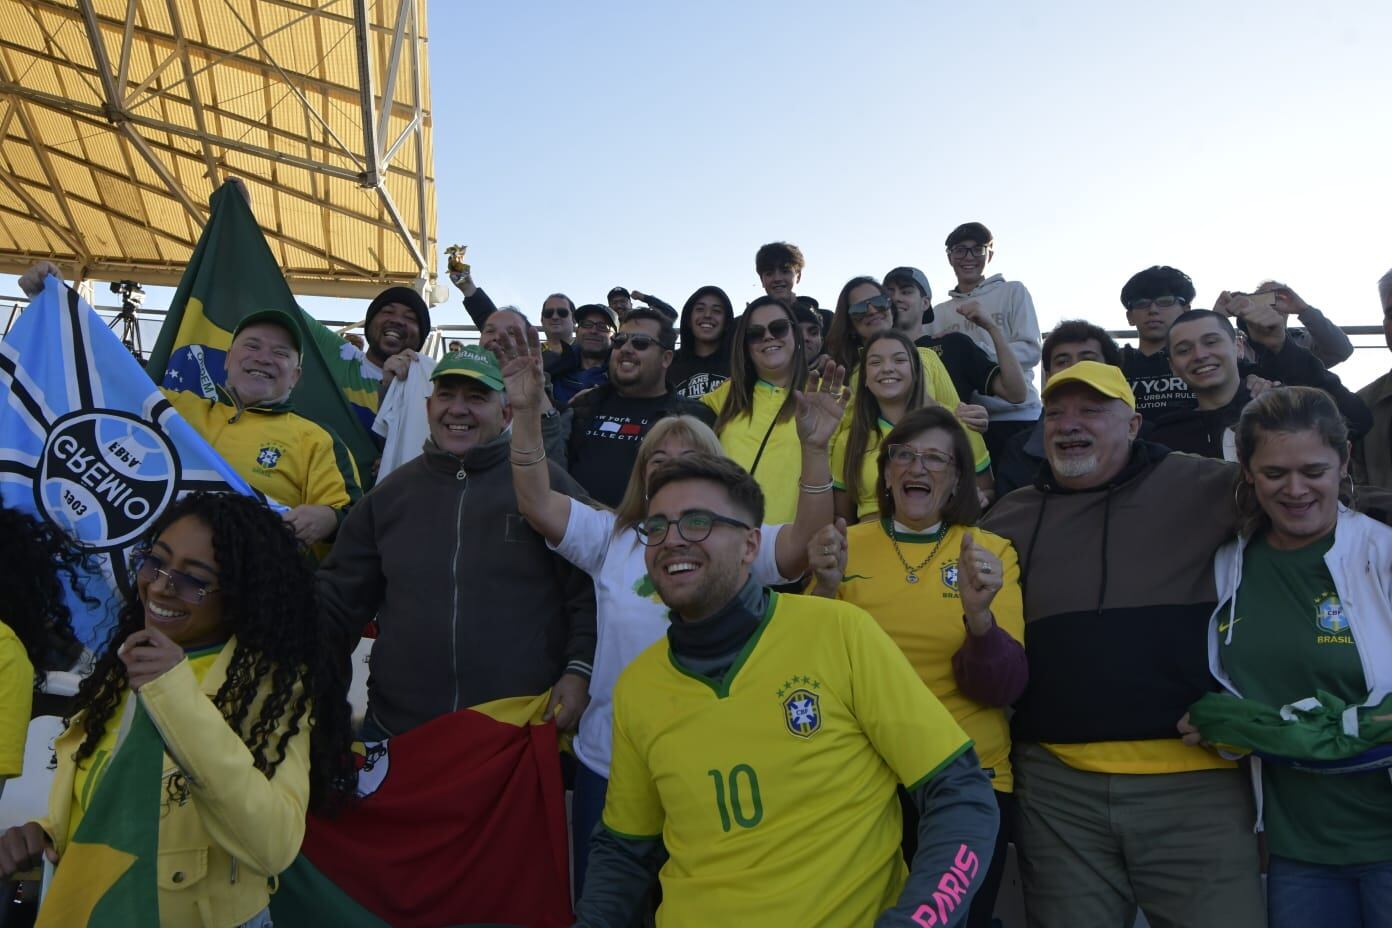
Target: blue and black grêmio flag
{"points": [[89, 443]]}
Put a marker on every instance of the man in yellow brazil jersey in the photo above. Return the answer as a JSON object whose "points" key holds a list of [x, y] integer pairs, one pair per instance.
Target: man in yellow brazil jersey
{"points": [[762, 742]]}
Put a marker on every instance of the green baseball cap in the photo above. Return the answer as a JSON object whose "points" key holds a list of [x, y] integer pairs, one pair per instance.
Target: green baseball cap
{"points": [[471, 361], [272, 317]]}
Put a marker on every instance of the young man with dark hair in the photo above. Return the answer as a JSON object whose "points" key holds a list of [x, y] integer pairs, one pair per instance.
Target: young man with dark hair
{"points": [[1071, 341], [610, 421], [779, 265], [760, 715], [1008, 304], [972, 370], [809, 325], [1202, 346], [1153, 299]]}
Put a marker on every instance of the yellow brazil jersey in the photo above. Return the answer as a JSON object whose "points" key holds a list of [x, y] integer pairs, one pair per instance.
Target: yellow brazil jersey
{"points": [[774, 789], [291, 459], [89, 773], [939, 387], [781, 462], [16, 701], [925, 618], [866, 505]]}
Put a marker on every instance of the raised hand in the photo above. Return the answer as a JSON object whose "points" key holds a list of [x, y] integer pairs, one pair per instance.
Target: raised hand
{"points": [[1288, 302], [32, 283], [148, 654], [821, 404], [979, 578], [826, 557], [972, 312], [520, 359], [1265, 325]]}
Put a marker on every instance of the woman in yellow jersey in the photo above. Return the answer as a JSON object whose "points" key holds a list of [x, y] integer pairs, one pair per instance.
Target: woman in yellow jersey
{"points": [[755, 407], [219, 643], [35, 624], [863, 309], [889, 385], [948, 594]]}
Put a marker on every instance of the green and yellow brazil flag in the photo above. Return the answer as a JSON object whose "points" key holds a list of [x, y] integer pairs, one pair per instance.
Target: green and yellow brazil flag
{"points": [[232, 274]]}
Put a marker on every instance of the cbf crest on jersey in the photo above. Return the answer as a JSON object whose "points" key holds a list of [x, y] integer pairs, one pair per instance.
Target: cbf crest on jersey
{"points": [[802, 710], [269, 456], [88, 444]]}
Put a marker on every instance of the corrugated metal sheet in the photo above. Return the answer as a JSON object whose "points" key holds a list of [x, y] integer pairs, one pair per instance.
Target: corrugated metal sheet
{"points": [[118, 119]]}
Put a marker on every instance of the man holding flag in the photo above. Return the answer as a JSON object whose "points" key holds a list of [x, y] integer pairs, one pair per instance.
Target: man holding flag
{"points": [[250, 422]]}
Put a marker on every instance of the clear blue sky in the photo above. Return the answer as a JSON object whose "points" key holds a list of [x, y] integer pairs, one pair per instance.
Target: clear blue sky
{"points": [[656, 145], [579, 146]]}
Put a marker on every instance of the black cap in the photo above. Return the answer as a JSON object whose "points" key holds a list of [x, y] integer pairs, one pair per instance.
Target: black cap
{"points": [[914, 276], [618, 291], [408, 298], [590, 309]]}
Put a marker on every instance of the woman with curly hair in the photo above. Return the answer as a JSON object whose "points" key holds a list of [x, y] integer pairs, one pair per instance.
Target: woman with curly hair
{"points": [[35, 625], [220, 643]]}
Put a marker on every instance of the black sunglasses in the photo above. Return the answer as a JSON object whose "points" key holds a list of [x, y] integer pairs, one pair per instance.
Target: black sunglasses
{"points": [[639, 342], [555, 311], [777, 328], [880, 303]]}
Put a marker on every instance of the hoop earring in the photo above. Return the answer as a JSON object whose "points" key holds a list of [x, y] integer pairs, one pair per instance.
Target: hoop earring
{"points": [[1352, 491]]}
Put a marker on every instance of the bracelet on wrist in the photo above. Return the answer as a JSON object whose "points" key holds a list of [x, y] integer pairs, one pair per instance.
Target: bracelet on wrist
{"points": [[814, 489], [539, 456]]}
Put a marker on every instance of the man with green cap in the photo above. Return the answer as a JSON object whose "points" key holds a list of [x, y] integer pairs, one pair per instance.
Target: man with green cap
{"points": [[471, 604]]}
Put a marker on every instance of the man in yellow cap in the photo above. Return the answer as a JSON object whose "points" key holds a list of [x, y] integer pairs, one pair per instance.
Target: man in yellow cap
{"points": [[1116, 541]]}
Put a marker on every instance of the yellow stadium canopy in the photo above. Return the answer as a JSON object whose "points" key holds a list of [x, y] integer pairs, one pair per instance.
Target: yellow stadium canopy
{"points": [[118, 119]]}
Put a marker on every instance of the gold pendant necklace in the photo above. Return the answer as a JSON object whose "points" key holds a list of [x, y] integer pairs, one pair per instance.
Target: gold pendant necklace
{"points": [[912, 575]]}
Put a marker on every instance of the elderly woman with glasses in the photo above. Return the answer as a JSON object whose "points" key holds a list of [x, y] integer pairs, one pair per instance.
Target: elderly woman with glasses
{"points": [[947, 593]]}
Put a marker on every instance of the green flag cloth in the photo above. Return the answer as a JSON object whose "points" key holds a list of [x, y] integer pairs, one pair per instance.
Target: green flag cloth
{"points": [[1319, 735], [107, 876], [232, 274]]}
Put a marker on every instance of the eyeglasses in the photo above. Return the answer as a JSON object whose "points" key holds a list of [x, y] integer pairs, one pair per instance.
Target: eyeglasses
{"points": [[150, 567], [639, 342], [975, 251], [777, 328], [1162, 302], [592, 324], [550, 311], [935, 462], [877, 303], [693, 526]]}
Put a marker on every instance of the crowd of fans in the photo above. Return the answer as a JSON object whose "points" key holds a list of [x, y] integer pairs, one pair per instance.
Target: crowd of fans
{"points": [[837, 603]]}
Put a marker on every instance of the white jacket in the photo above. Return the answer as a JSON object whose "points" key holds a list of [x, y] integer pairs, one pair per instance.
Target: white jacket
{"points": [[1010, 306], [1360, 562]]}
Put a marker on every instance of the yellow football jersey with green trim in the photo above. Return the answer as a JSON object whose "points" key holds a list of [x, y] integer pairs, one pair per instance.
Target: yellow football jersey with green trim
{"points": [[774, 788], [925, 618]]}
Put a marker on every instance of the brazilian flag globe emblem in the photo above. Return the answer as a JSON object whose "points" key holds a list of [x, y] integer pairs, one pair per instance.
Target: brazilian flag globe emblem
{"points": [[107, 877]]}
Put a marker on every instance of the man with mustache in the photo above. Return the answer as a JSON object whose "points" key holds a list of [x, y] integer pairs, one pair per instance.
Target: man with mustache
{"points": [[1116, 539]]}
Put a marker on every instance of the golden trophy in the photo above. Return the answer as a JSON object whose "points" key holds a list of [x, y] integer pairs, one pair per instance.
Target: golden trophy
{"points": [[457, 268]]}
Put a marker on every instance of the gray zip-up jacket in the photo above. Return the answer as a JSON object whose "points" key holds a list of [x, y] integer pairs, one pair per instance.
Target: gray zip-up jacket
{"points": [[470, 604]]}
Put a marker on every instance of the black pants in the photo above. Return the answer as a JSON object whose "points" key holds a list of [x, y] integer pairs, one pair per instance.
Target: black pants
{"points": [[984, 902]]}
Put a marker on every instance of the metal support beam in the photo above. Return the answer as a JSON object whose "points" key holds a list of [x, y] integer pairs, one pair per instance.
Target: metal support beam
{"points": [[404, 13], [209, 161], [99, 57], [371, 152]]}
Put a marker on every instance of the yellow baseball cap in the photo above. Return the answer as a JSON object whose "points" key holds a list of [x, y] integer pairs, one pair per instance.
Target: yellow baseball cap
{"points": [[1106, 379]]}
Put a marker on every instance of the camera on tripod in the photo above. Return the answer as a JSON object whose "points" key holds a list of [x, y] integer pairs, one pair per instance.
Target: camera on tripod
{"points": [[132, 294]]}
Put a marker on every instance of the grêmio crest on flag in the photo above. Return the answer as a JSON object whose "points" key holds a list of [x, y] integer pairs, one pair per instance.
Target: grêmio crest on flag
{"points": [[88, 443]]}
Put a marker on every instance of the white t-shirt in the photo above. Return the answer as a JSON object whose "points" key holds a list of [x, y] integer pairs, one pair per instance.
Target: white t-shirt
{"points": [[401, 418], [629, 615]]}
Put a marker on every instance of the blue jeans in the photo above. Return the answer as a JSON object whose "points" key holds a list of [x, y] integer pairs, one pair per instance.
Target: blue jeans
{"points": [[586, 807], [1351, 896]]}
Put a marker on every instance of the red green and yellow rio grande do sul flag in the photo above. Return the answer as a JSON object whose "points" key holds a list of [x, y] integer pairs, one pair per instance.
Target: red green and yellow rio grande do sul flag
{"points": [[232, 274], [460, 822], [107, 876]]}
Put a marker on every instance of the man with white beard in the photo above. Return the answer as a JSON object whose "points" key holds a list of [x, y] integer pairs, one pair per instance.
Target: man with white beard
{"points": [[1116, 541]]}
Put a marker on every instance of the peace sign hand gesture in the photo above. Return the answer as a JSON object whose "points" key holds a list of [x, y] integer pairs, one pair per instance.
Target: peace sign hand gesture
{"points": [[521, 368]]}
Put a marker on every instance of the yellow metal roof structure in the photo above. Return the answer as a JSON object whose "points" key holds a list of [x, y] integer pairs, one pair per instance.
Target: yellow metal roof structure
{"points": [[119, 118]]}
